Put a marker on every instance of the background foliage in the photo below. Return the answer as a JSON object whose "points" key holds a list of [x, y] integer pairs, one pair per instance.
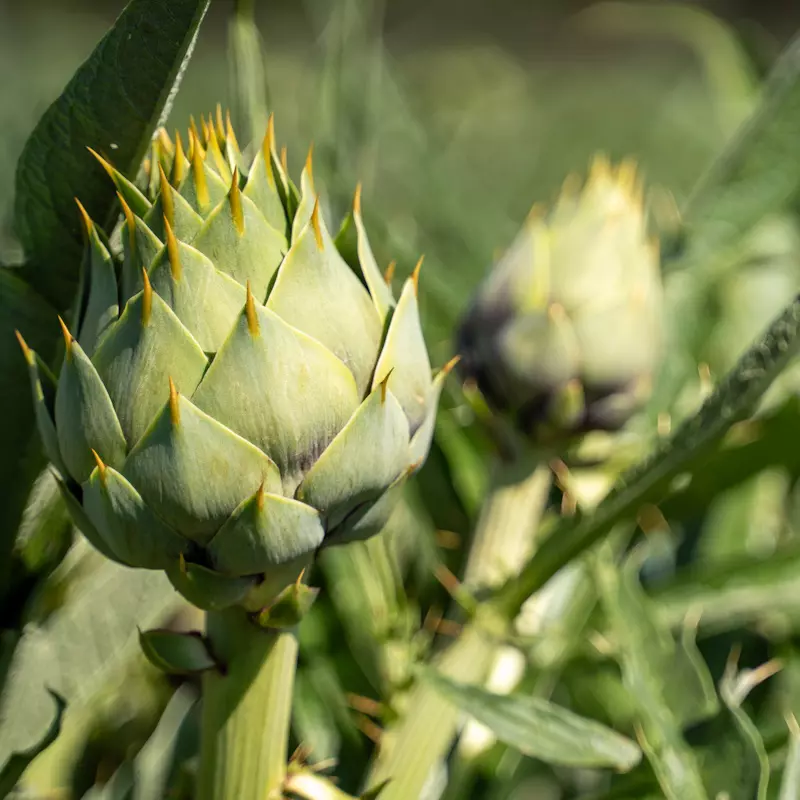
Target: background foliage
{"points": [[457, 117]]}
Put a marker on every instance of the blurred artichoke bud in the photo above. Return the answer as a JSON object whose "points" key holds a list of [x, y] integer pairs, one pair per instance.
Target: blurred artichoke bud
{"points": [[235, 396], [565, 332]]}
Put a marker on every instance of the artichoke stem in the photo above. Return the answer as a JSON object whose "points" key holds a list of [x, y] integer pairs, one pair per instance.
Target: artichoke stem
{"points": [[504, 539], [246, 709]]}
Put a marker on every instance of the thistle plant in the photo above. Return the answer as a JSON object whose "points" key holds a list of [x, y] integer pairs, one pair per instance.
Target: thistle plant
{"points": [[235, 387], [234, 396], [565, 333]]}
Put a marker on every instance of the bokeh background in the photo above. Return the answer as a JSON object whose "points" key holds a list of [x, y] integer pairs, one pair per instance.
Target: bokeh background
{"points": [[457, 116]]}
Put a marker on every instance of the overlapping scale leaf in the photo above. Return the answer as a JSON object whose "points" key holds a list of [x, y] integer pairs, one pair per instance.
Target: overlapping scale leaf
{"points": [[127, 524], [102, 307], [280, 389], [420, 443], [85, 525], [262, 183], [369, 518], [207, 589], [362, 461], [317, 292], [43, 390], [193, 471], [136, 358], [140, 246], [173, 210], [205, 300], [404, 357], [241, 243], [266, 530], [203, 189], [378, 287], [84, 415]]}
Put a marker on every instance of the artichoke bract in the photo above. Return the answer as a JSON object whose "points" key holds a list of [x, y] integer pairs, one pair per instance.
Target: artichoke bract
{"points": [[234, 394], [564, 335]]}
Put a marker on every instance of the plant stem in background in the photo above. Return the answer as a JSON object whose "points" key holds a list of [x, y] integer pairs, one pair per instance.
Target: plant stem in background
{"points": [[504, 537], [246, 709]]}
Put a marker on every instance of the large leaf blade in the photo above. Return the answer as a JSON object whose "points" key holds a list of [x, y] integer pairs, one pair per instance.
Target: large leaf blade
{"points": [[113, 104], [539, 728]]}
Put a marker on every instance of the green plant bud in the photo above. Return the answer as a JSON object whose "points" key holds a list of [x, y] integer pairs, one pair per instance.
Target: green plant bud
{"points": [[564, 335], [235, 395]]}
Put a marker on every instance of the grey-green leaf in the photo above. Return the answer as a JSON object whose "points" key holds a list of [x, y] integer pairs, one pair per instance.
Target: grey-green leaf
{"points": [[176, 653], [113, 103], [17, 763], [541, 729]]}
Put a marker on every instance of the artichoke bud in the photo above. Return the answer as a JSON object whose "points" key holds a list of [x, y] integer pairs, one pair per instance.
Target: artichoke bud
{"points": [[564, 334], [235, 395]]}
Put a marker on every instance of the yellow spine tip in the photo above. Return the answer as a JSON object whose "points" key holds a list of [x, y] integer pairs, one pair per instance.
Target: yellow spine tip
{"points": [[67, 335], [235, 202], [250, 312], [166, 196], [205, 129], [26, 351], [147, 297], [103, 163], [174, 406], [101, 467], [357, 200], [181, 563], [88, 225], [179, 164], [166, 142], [284, 160], [260, 497], [173, 252], [415, 275], [130, 221], [385, 384], [388, 276], [451, 365], [310, 165], [198, 174], [220, 122], [315, 224]]}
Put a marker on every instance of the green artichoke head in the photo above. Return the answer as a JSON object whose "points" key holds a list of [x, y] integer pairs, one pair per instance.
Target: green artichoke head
{"points": [[564, 335], [234, 394]]}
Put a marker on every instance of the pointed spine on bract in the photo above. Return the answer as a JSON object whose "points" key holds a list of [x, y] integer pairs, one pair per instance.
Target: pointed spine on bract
{"points": [[147, 298], [316, 226], [174, 404], [250, 312], [235, 201], [173, 251], [68, 339], [198, 174]]}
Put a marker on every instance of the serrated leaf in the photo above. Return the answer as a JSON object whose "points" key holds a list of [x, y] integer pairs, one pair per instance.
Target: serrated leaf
{"points": [[18, 762], [539, 728], [112, 104]]}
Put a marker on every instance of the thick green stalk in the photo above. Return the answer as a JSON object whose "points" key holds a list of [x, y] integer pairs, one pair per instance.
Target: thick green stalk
{"points": [[504, 537], [246, 709]]}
